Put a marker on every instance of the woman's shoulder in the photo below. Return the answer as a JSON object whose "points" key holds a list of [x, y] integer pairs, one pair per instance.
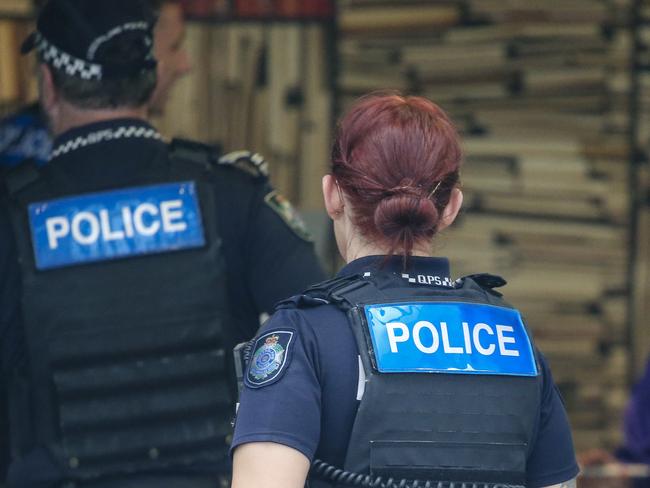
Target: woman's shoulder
{"points": [[306, 316], [318, 335]]}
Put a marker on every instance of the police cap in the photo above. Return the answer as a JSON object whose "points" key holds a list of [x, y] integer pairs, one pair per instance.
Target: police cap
{"points": [[78, 37]]}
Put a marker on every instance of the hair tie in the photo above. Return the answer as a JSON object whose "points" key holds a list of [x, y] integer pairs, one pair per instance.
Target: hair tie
{"points": [[434, 190], [399, 190]]}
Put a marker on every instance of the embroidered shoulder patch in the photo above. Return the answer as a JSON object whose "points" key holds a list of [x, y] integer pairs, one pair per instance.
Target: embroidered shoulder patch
{"points": [[270, 359], [288, 213]]}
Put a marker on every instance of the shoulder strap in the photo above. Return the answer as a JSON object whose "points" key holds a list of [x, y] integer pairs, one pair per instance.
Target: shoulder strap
{"points": [[251, 163], [203, 154], [345, 292], [209, 156], [485, 281], [324, 293]]}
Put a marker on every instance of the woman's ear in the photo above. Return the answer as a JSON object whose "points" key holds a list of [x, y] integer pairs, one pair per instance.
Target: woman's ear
{"points": [[332, 197], [451, 210]]}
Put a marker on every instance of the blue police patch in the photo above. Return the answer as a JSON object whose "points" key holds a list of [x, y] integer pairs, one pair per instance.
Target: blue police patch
{"points": [[271, 355], [24, 136], [115, 224], [449, 337]]}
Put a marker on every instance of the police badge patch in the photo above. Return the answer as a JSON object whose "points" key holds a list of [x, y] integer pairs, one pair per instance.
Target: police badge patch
{"points": [[288, 213], [270, 358]]}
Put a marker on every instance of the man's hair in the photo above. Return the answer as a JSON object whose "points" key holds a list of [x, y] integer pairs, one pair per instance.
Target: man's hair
{"points": [[109, 93]]}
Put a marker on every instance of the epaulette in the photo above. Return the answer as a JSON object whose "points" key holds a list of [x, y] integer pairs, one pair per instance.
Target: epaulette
{"points": [[300, 301], [252, 163], [21, 176], [319, 293], [197, 152], [486, 281]]}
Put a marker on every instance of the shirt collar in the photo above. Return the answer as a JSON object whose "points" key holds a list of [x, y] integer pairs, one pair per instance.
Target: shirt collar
{"points": [[100, 132], [417, 265]]}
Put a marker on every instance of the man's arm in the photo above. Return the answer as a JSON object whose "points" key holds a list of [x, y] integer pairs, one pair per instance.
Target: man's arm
{"points": [[281, 257]]}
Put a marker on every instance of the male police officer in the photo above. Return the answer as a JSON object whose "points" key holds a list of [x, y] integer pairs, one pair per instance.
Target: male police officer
{"points": [[24, 135], [127, 268]]}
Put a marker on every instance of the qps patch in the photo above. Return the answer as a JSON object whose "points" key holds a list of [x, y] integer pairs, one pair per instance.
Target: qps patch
{"points": [[271, 356], [288, 213]]}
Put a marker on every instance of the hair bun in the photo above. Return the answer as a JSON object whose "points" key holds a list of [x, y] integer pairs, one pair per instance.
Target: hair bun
{"points": [[405, 211]]}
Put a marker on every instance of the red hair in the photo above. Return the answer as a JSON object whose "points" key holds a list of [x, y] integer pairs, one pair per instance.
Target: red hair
{"points": [[397, 159]]}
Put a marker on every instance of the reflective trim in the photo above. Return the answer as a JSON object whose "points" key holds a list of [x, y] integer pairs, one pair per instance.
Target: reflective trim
{"points": [[61, 60], [130, 132]]}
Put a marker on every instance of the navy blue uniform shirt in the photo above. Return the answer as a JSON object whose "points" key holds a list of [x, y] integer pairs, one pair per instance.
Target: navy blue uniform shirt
{"points": [[266, 260], [23, 136], [312, 404]]}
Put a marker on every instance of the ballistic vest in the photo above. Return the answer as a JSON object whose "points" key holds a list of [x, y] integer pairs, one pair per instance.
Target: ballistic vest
{"points": [[466, 420], [126, 361]]}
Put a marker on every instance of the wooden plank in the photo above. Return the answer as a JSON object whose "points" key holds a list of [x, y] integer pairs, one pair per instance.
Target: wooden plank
{"points": [[16, 7], [187, 113], [380, 19], [315, 120], [285, 71], [9, 60]]}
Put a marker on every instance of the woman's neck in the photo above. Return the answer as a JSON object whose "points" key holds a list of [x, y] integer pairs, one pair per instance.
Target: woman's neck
{"points": [[358, 248]]}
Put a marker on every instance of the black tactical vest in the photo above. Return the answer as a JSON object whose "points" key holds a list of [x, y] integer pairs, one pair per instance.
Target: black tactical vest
{"points": [[447, 428], [126, 357]]}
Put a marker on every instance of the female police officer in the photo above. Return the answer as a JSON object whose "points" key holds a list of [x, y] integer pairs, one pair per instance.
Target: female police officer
{"points": [[392, 370]]}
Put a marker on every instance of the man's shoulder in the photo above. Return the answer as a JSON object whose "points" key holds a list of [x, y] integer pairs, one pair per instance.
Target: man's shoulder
{"points": [[247, 162], [210, 157]]}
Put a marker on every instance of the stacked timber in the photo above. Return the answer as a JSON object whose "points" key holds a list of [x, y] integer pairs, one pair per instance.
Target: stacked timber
{"points": [[641, 302], [259, 9], [264, 86], [15, 8], [540, 91], [641, 178], [17, 81]]}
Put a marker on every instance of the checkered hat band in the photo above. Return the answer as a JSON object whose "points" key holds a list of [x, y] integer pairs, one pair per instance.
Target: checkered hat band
{"points": [[63, 61]]}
